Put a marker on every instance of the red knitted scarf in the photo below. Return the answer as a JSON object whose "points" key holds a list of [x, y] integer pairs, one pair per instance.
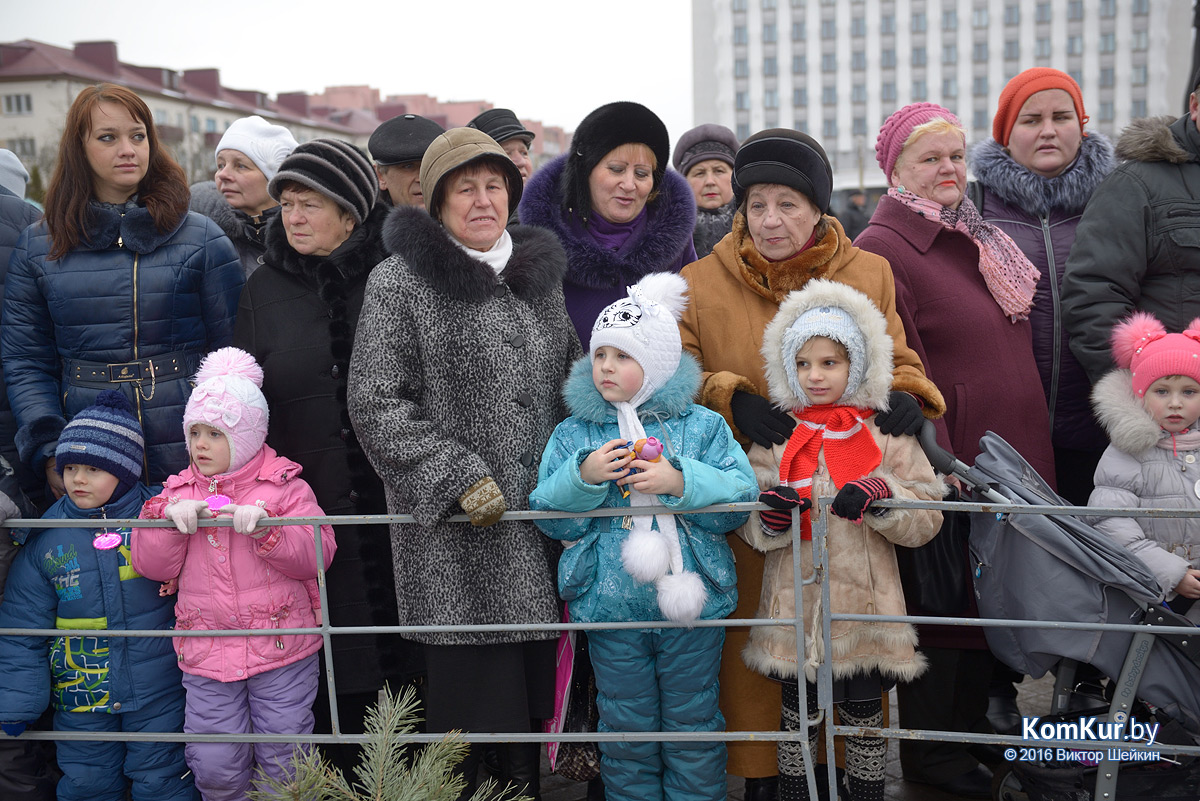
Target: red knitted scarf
{"points": [[850, 450]]}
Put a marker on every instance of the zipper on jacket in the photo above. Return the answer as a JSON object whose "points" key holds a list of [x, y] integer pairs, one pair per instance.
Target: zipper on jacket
{"points": [[1056, 351], [137, 393]]}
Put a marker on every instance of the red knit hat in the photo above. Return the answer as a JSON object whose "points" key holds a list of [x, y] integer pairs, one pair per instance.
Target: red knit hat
{"points": [[1024, 86], [1142, 345], [897, 128]]}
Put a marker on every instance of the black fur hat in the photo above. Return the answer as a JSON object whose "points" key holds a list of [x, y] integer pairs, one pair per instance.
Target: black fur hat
{"points": [[787, 157], [601, 132]]}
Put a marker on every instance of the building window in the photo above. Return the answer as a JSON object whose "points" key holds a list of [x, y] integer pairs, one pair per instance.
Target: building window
{"points": [[858, 26], [979, 18], [829, 95], [920, 90], [799, 65], [887, 58], [739, 5], [795, 4], [768, 5], [210, 125], [830, 129], [1107, 77], [742, 101], [858, 60], [1076, 76], [798, 32], [981, 119], [741, 68], [739, 35], [887, 92], [1141, 40], [950, 87], [860, 126], [770, 98], [1075, 9], [1041, 47], [25, 148], [18, 104], [950, 20], [919, 22], [743, 131], [918, 56], [1108, 8], [194, 122], [858, 94], [1012, 14], [828, 62], [979, 87], [1138, 110], [1074, 45], [1139, 74], [1141, 7], [979, 53], [1012, 49], [800, 97], [1106, 111], [828, 29], [887, 24], [950, 54], [1042, 12], [769, 32], [1108, 42], [770, 66]]}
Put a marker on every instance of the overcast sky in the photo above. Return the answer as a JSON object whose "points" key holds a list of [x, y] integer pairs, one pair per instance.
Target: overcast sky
{"points": [[552, 60]]}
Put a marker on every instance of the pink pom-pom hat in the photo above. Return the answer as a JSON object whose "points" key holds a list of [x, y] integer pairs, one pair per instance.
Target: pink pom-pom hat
{"points": [[228, 397], [1142, 345]]}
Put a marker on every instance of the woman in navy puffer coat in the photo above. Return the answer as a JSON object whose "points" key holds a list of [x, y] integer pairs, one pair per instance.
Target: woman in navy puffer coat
{"points": [[119, 287]]}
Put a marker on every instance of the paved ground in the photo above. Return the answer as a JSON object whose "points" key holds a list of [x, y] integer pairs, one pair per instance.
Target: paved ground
{"points": [[1033, 697]]}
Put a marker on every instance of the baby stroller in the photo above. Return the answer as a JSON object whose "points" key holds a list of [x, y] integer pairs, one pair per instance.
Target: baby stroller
{"points": [[1055, 567]]}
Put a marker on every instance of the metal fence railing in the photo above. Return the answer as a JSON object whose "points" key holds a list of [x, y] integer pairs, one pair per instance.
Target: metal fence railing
{"points": [[823, 717]]}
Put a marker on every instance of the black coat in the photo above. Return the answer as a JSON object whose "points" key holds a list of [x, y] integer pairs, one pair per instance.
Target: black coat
{"points": [[298, 316]]}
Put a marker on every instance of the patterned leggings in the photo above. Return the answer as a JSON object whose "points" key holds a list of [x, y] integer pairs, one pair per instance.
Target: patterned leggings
{"points": [[865, 756]]}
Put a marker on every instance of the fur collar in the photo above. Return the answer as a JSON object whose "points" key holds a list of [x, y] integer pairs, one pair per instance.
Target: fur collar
{"points": [[1121, 413], [132, 225], [236, 225], [1019, 186], [872, 393], [1156, 139], [674, 399], [535, 269], [668, 230], [774, 280], [361, 251]]}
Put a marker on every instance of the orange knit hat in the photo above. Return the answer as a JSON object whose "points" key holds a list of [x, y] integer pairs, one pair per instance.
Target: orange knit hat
{"points": [[1022, 87]]}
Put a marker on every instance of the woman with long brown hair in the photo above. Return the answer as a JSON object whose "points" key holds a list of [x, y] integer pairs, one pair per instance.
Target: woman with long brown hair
{"points": [[118, 287]]}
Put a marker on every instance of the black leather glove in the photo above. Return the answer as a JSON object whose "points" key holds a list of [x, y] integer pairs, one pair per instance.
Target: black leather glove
{"points": [[903, 418], [761, 422], [852, 500], [782, 500]]}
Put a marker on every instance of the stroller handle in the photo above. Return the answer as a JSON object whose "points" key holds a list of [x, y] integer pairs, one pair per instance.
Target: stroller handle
{"points": [[948, 464]]}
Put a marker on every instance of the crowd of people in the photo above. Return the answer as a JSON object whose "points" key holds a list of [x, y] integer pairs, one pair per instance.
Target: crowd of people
{"points": [[436, 328]]}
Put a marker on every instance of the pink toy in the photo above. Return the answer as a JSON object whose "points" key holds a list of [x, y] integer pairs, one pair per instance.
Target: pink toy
{"points": [[648, 449]]}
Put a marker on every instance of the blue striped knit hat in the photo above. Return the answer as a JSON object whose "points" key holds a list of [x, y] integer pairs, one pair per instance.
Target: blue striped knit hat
{"points": [[105, 435]]}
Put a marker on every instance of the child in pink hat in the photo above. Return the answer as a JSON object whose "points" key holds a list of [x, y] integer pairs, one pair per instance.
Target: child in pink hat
{"points": [[242, 575]]}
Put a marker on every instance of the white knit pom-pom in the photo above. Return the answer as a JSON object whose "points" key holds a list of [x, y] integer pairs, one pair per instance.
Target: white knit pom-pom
{"points": [[227, 362], [668, 290], [645, 555], [681, 596]]}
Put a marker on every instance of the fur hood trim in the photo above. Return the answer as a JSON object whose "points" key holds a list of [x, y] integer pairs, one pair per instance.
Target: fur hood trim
{"points": [[1154, 139], [534, 270], [1130, 428], [674, 399], [672, 220], [361, 251], [872, 393], [1019, 186], [207, 200], [134, 228]]}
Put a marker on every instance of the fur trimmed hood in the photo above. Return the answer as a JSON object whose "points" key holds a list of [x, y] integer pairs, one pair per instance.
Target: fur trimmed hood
{"points": [[1130, 427], [674, 399], [672, 220], [361, 251], [1156, 139], [132, 225], [207, 200], [872, 393], [535, 269], [1019, 186]]}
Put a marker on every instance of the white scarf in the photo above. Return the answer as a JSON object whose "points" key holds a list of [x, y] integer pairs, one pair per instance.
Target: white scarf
{"points": [[496, 256]]}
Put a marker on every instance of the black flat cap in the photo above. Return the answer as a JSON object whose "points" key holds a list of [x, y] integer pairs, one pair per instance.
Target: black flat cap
{"points": [[501, 124], [787, 157], [402, 139]]}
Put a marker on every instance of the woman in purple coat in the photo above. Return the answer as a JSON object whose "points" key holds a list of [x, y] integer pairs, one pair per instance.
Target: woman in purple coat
{"points": [[964, 292]]}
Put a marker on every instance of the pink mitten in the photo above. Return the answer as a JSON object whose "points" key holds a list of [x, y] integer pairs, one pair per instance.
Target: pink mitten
{"points": [[185, 513], [245, 518]]}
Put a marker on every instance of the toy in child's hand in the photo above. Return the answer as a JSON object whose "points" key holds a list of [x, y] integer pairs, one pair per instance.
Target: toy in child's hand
{"points": [[648, 449], [215, 502]]}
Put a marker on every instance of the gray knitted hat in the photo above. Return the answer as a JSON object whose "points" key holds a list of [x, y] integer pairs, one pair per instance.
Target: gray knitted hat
{"points": [[834, 323], [336, 169], [708, 141]]}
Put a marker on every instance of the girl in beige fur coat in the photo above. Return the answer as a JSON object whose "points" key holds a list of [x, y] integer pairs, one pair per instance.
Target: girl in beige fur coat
{"points": [[829, 364]]}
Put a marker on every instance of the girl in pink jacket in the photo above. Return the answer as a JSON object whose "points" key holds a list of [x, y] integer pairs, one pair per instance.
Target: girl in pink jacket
{"points": [[239, 576]]}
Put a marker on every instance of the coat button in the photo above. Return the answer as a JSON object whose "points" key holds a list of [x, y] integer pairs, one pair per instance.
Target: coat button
{"points": [[353, 496], [345, 434], [116, 706], [1190, 458], [335, 371], [527, 460], [501, 290], [525, 399], [233, 618], [517, 340], [241, 672]]}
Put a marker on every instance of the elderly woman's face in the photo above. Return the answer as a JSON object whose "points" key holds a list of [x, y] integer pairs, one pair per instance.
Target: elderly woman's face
{"points": [[518, 150], [712, 183], [1047, 134], [621, 182], [780, 219], [475, 209], [934, 167], [242, 183], [315, 225]]}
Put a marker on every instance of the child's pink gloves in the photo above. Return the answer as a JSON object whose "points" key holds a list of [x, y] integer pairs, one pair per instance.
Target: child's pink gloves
{"points": [[246, 518], [852, 500], [185, 513]]}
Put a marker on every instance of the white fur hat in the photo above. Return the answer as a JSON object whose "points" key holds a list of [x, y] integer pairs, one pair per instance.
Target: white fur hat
{"points": [[646, 326], [265, 144]]}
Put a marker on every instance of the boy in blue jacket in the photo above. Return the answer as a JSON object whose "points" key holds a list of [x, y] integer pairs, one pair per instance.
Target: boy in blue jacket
{"points": [[637, 384], [79, 576]]}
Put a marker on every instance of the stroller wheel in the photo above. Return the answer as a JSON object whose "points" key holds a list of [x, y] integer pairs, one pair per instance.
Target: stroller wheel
{"points": [[1006, 786]]}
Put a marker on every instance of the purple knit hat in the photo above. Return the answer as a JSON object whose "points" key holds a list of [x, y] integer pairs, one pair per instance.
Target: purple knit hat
{"points": [[897, 128]]}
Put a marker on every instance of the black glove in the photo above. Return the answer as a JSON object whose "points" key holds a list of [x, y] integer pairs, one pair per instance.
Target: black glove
{"points": [[781, 500], [852, 500], [904, 416], [761, 422]]}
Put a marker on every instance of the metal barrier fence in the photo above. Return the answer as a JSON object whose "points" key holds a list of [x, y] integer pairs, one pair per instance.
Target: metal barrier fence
{"points": [[824, 681]]}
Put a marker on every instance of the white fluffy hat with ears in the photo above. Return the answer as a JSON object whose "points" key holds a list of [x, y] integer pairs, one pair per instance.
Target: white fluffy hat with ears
{"points": [[646, 326], [779, 349]]}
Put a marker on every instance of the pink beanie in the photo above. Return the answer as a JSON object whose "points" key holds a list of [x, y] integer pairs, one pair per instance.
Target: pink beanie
{"points": [[1143, 346], [228, 398], [897, 128]]}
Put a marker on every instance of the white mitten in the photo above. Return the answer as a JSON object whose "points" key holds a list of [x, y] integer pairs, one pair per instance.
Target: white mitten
{"points": [[245, 518], [184, 514]]}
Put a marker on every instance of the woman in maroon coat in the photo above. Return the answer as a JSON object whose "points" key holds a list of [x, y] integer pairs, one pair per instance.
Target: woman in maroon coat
{"points": [[963, 292]]}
